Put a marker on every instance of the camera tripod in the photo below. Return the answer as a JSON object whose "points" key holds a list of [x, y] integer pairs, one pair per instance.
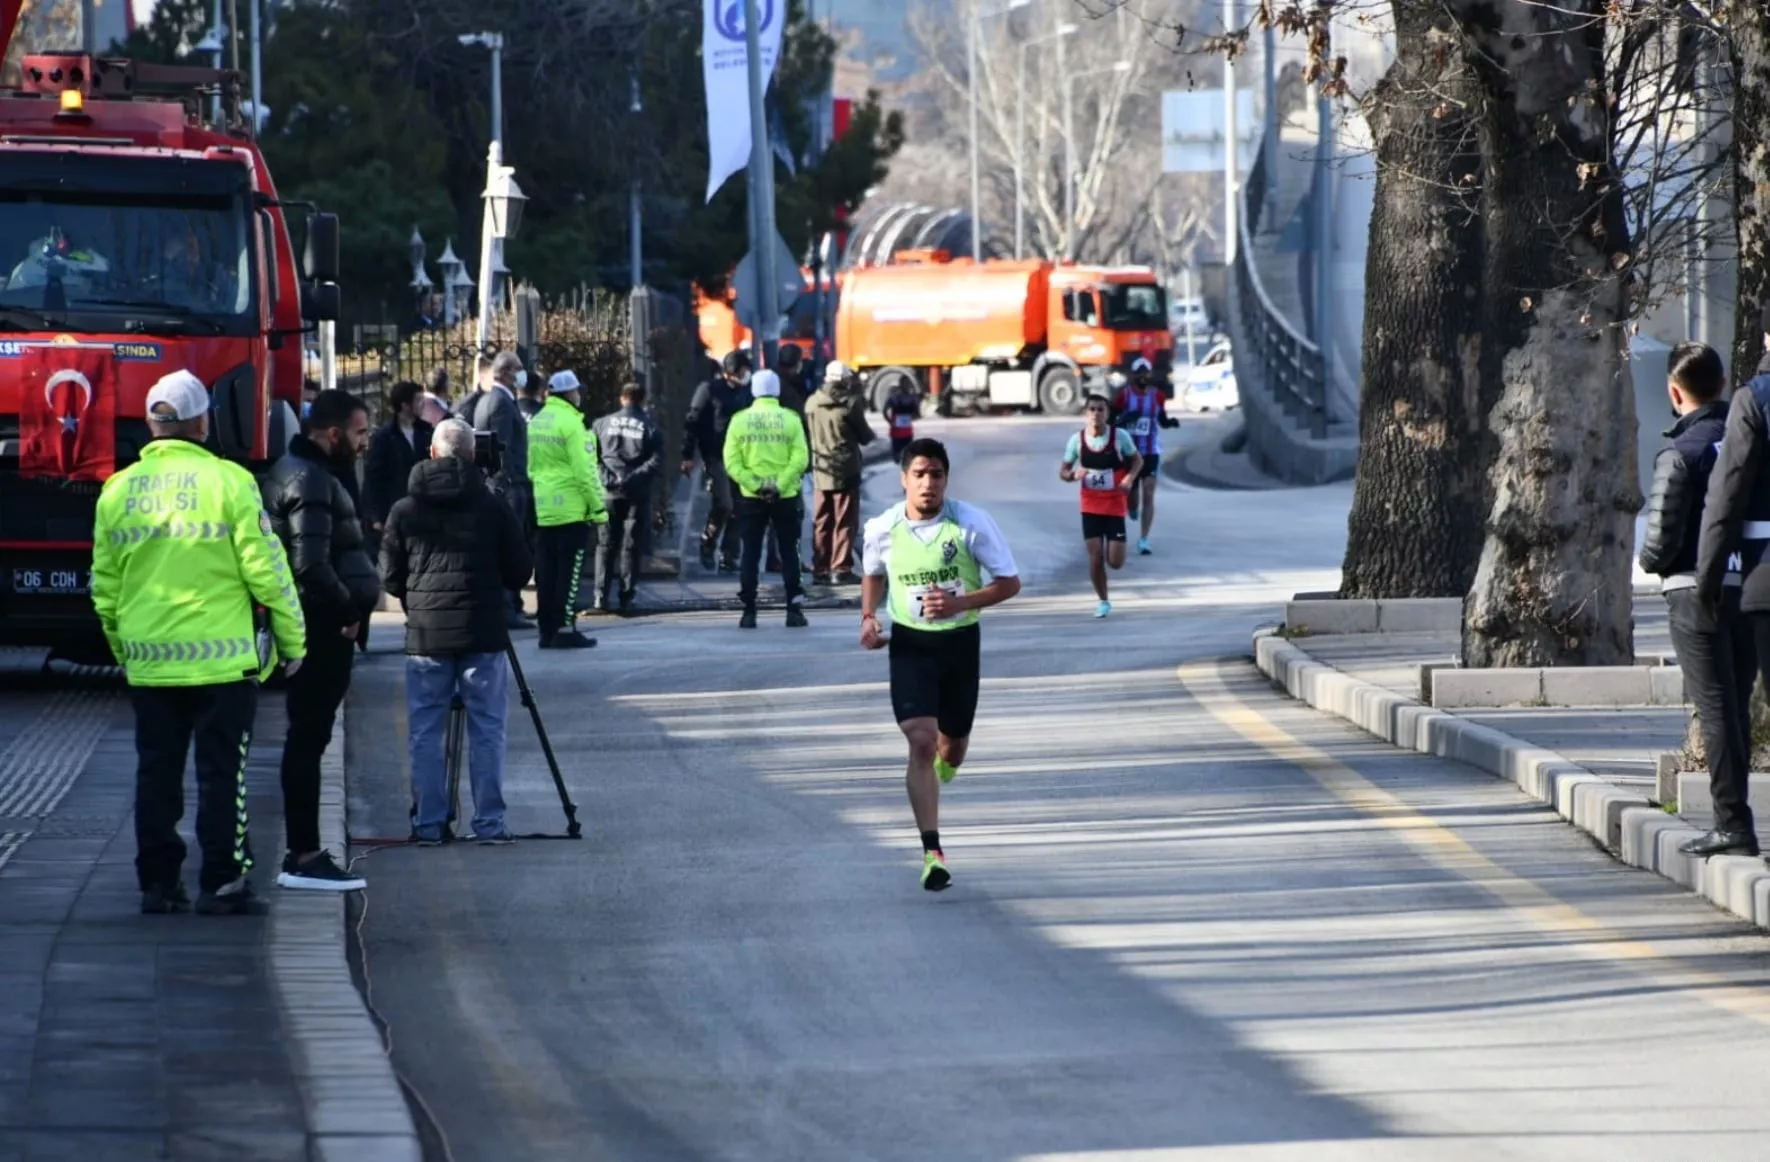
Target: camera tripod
{"points": [[455, 753]]}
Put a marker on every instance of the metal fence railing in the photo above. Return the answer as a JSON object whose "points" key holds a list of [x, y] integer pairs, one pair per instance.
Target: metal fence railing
{"points": [[1284, 359]]}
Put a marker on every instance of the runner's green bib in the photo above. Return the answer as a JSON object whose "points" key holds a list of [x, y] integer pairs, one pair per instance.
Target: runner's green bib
{"points": [[918, 569]]}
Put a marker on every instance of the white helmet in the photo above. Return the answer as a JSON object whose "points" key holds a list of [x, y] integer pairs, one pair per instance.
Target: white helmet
{"points": [[1115, 379]]}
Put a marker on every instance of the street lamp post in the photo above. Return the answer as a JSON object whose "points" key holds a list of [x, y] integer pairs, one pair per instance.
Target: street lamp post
{"points": [[503, 214], [1062, 31], [1069, 151], [503, 197], [635, 210], [973, 27]]}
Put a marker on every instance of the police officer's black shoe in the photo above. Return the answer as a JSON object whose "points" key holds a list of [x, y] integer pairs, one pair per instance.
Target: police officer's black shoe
{"points": [[569, 641], [707, 560], [235, 899], [848, 577], [628, 600], [796, 618], [748, 620], [165, 900]]}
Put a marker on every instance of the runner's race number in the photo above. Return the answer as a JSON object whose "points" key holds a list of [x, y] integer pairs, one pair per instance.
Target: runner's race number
{"points": [[1097, 479], [1142, 427], [918, 592]]}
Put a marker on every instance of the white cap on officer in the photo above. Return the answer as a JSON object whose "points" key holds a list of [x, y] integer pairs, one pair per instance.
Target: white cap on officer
{"points": [[836, 372], [562, 382], [176, 398], [1141, 364], [765, 384]]}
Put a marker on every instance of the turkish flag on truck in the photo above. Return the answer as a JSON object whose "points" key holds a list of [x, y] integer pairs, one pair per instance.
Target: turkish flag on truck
{"points": [[68, 413]]}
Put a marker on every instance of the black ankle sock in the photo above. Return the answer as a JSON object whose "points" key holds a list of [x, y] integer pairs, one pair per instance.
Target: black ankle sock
{"points": [[931, 841]]}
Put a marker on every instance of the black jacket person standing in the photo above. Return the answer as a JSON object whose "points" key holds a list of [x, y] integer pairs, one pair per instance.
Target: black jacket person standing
{"points": [[400, 444], [308, 497], [1713, 643], [632, 452], [703, 430]]}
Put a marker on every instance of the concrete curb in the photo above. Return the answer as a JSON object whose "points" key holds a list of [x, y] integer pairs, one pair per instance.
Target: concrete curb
{"points": [[355, 1109], [1335, 616], [1611, 686], [1628, 826]]}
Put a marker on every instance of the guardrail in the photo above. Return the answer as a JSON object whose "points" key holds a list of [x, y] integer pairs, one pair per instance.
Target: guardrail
{"points": [[1290, 365]]}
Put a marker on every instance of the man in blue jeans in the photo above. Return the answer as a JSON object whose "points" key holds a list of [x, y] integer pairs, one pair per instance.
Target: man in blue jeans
{"points": [[450, 553]]}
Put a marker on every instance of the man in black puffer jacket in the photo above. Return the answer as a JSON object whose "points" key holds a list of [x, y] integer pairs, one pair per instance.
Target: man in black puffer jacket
{"points": [[451, 552], [310, 497], [1713, 642]]}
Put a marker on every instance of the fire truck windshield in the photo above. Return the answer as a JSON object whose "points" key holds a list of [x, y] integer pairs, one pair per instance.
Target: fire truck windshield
{"points": [[1136, 307], [90, 262]]}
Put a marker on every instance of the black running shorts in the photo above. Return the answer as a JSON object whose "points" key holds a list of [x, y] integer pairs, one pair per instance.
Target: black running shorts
{"points": [[935, 674], [1096, 527], [1152, 464]]}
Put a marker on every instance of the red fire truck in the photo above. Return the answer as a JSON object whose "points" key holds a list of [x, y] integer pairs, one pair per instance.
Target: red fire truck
{"points": [[139, 234]]}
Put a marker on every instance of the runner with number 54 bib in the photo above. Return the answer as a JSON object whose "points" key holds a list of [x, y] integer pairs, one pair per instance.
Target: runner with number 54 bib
{"points": [[931, 554], [1104, 461]]}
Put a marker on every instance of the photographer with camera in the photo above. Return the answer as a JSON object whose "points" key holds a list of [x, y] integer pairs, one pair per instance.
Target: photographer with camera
{"points": [[766, 455], [450, 553], [568, 498]]}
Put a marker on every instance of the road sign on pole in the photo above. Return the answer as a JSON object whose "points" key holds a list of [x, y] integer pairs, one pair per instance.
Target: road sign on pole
{"points": [[746, 281]]}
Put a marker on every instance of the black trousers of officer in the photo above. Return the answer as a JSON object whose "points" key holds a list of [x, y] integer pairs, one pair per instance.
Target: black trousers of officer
{"points": [[722, 529], [756, 519], [617, 549], [167, 720], [1720, 663], [559, 566], [315, 692]]}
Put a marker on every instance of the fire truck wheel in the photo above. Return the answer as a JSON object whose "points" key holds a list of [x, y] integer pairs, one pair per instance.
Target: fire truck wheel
{"points": [[1060, 392]]}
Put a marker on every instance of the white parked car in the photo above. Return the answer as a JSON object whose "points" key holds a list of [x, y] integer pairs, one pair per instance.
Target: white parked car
{"points": [[1209, 385]]}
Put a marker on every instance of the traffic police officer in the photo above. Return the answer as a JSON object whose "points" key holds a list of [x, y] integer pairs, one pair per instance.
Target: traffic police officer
{"points": [[766, 457], [182, 552], [568, 498]]}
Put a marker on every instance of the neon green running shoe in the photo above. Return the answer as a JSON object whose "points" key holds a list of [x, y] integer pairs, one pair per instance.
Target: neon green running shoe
{"points": [[947, 771], [935, 877]]}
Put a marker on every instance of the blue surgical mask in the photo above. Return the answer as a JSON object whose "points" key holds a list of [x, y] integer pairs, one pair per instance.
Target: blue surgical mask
{"points": [[522, 379]]}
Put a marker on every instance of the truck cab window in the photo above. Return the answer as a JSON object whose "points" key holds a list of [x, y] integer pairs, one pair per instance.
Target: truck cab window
{"points": [[98, 255], [1069, 306], [1085, 309], [1136, 307]]}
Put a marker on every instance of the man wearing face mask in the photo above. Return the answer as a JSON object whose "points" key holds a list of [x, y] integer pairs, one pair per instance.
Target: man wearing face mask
{"points": [[499, 414], [703, 429]]}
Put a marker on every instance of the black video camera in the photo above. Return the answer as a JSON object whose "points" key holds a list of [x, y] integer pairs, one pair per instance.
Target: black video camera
{"points": [[488, 453]]}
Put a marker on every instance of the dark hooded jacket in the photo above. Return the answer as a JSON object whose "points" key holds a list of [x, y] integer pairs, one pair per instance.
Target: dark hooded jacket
{"points": [[1736, 511], [312, 508], [450, 553]]}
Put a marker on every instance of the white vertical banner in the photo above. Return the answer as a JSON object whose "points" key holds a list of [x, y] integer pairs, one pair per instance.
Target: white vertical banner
{"points": [[725, 63]]}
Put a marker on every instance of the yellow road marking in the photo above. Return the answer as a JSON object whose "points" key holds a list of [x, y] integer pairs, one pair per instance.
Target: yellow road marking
{"points": [[1449, 852]]}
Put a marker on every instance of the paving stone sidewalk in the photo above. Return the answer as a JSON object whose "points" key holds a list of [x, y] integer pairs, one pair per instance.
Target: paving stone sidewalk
{"points": [[1595, 767], [128, 1037]]}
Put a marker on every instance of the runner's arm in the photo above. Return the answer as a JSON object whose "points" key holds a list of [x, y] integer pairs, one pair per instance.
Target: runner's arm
{"points": [[1071, 453]]}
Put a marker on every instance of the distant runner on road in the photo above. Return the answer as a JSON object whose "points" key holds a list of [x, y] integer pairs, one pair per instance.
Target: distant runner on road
{"points": [[1104, 460], [1141, 408], [931, 553]]}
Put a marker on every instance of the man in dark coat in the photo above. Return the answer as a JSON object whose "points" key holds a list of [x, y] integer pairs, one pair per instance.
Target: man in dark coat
{"points": [[632, 453], [451, 552], [400, 444], [1714, 646], [703, 430], [309, 497], [495, 410]]}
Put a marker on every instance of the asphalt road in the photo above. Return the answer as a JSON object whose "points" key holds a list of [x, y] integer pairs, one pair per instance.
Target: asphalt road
{"points": [[1190, 919]]}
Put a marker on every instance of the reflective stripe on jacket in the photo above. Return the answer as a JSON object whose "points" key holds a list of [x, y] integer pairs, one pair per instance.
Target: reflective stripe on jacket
{"points": [[766, 442], [181, 550], [563, 467]]}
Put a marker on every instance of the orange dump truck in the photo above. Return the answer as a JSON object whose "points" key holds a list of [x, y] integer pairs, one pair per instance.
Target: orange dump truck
{"points": [[999, 334]]}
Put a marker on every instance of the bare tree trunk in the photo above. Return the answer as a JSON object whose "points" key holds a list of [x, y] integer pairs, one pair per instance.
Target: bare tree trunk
{"points": [[1554, 582], [1751, 181], [1422, 491]]}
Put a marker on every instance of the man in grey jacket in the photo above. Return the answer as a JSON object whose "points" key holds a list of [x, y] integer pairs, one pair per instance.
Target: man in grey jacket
{"points": [[632, 452], [497, 412]]}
